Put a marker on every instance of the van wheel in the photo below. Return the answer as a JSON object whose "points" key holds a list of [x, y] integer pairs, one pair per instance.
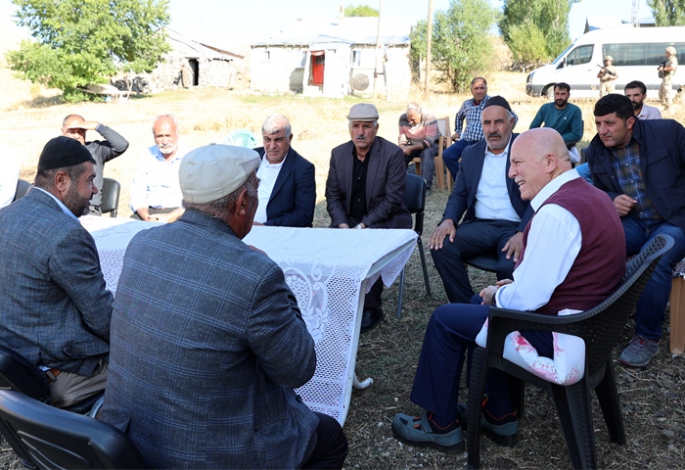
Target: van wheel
{"points": [[550, 93]]}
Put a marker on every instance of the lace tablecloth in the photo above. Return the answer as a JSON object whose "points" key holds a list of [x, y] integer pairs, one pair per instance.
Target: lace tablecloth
{"points": [[325, 268]]}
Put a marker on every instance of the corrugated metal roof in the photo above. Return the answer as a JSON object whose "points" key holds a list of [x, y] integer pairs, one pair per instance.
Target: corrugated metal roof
{"points": [[208, 51]]}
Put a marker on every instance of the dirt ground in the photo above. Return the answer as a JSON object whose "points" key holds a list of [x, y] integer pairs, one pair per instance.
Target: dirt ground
{"points": [[652, 398]]}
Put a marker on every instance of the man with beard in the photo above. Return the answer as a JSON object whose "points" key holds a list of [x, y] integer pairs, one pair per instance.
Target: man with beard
{"points": [[56, 310], [562, 116], [637, 92], [155, 192], [75, 126], [496, 216]]}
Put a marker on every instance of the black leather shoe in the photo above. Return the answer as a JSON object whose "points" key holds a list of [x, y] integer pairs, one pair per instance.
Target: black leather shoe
{"points": [[371, 318]]}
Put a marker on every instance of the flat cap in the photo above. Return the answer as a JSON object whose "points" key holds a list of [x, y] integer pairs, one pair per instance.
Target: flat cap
{"points": [[62, 152], [214, 171], [363, 112], [497, 101]]}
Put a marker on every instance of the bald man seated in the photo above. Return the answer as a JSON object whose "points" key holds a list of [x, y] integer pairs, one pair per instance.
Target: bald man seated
{"points": [[573, 258]]}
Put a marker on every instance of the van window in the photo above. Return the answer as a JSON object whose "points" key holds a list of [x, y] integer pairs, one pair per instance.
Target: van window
{"points": [[640, 54], [580, 55]]}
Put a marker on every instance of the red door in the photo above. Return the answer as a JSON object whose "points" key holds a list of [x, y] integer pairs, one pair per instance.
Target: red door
{"points": [[318, 64]]}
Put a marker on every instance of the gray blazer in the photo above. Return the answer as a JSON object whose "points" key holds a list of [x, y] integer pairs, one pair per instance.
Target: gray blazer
{"points": [[207, 346], [56, 310], [385, 181]]}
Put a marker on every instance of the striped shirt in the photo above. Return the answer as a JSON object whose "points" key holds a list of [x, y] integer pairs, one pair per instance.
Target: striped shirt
{"points": [[626, 163]]}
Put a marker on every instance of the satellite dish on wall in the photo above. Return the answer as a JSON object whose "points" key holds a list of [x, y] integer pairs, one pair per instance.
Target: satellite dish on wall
{"points": [[360, 82]]}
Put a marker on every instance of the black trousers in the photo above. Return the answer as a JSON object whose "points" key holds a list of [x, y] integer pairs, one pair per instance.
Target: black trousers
{"points": [[473, 238], [331, 445]]}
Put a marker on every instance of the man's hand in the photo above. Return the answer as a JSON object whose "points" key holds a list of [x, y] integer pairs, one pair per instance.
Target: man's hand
{"points": [[623, 204], [255, 223], [488, 295], [343, 226], [87, 125], [166, 218], [514, 246], [406, 149], [254, 248], [446, 228], [455, 136]]}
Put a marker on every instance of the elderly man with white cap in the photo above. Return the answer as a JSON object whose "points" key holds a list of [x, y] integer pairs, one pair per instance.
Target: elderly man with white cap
{"points": [[364, 189], [207, 339]]}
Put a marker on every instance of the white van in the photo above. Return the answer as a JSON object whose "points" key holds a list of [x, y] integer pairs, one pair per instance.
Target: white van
{"points": [[637, 52]]}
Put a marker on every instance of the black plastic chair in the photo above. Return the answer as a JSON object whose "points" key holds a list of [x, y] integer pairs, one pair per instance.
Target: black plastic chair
{"points": [[18, 374], [486, 262], [110, 196], [51, 438], [23, 188], [601, 329], [415, 199]]}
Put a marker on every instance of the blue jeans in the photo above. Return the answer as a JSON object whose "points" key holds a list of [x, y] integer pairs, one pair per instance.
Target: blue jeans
{"points": [[452, 154], [649, 315]]}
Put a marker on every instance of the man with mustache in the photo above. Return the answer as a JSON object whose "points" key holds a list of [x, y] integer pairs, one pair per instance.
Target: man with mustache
{"points": [[564, 117], [640, 164], [495, 213], [364, 189], [56, 310], [155, 192], [636, 91]]}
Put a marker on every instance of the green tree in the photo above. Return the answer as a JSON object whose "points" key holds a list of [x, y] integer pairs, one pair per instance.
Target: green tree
{"points": [[360, 10], [461, 46], [82, 42], [527, 43], [550, 17], [668, 12]]}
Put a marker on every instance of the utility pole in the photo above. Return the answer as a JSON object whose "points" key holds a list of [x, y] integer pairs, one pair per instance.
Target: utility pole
{"points": [[380, 65], [635, 17], [429, 40]]}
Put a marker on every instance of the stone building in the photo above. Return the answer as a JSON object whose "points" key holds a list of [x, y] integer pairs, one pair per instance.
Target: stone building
{"points": [[335, 58]]}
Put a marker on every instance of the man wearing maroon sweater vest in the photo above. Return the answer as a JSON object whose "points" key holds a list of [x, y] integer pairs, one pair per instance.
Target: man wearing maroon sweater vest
{"points": [[573, 258]]}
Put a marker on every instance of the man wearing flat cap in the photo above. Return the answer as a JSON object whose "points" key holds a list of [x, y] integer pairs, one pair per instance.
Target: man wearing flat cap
{"points": [[364, 189], [496, 216], [207, 339], [56, 310]]}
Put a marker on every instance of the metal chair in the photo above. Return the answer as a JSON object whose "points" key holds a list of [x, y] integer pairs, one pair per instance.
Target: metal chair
{"points": [[242, 138], [50, 438], [110, 196], [415, 199], [23, 188], [600, 328]]}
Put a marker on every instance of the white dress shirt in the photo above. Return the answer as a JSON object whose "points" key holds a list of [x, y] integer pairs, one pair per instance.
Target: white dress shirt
{"points": [[9, 175], [649, 112], [492, 196], [267, 174], [556, 238], [155, 182]]}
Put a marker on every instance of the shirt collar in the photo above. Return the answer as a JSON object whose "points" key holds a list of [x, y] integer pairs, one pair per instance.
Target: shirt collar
{"points": [[552, 187], [60, 204]]}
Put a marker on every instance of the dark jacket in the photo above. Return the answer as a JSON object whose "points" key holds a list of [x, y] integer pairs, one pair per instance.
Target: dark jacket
{"points": [[662, 161], [56, 310], [293, 198], [385, 181], [463, 197]]}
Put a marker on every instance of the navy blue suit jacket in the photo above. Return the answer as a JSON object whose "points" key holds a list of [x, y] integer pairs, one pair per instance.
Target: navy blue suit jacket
{"points": [[293, 198], [463, 197], [662, 161]]}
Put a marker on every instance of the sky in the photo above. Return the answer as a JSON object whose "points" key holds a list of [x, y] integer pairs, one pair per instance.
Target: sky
{"points": [[237, 22]]}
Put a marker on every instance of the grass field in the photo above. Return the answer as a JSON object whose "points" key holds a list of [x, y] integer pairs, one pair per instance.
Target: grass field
{"points": [[653, 398]]}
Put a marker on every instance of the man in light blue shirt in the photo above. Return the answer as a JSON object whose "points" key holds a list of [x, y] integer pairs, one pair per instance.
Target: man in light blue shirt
{"points": [[155, 192]]}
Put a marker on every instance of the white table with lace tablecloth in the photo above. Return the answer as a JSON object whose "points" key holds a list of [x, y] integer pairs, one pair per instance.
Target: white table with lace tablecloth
{"points": [[328, 270]]}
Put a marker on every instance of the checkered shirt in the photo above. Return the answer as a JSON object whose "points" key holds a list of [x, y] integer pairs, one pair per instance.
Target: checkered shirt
{"points": [[471, 112], [626, 163]]}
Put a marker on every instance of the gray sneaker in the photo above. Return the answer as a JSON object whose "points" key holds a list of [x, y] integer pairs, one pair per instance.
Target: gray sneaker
{"points": [[417, 431], [639, 351]]}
